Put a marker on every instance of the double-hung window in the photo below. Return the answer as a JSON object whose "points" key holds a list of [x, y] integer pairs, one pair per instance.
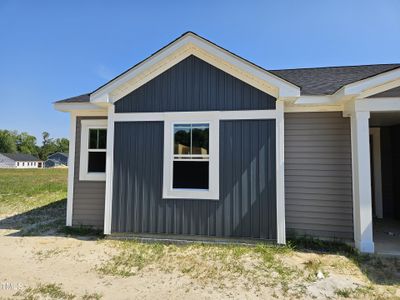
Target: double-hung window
{"points": [[191, 162], [191, 156], [93, 150]]}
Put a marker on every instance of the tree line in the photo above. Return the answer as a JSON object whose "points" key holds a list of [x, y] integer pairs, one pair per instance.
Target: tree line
{"points": [[11, 141]]}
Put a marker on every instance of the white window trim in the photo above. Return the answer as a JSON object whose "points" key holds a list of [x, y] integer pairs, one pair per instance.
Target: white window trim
{"points": [[212, 193], [86, 125]]}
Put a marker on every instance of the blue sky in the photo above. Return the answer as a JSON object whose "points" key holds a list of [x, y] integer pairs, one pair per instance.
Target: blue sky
{"points": [[51, 50]]}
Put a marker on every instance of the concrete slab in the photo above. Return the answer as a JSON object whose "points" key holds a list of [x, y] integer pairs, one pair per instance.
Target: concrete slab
{"points": [[387, 237]]}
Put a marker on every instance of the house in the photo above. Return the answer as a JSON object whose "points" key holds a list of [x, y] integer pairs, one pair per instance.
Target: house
{"points": [[197, 141], [20, 161], [59, 159]]}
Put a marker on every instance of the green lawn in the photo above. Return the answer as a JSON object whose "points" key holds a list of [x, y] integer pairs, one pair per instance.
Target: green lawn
{"points": [[25, 189]]}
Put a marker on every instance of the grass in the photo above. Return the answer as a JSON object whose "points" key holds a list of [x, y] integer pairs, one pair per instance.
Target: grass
{"points": [[26, 189], [357, 292], [46, 291], [206, 263], [33, 200]]}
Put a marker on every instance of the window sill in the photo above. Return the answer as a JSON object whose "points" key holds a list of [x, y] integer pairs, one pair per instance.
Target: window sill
{"points": [[190, 194], [92, 177]]}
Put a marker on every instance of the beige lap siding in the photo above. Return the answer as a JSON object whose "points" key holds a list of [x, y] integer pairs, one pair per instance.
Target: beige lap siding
{"points": [[89, 196], [318, 182]]}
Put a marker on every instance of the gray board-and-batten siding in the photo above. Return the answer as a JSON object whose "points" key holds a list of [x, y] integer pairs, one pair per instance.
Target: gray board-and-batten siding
{"points": [[194, 85], [317, 165], [247, 204]]}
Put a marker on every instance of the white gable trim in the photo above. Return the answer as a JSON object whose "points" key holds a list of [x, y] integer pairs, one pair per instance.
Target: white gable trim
{"points": [[187, 45], [369, 86]]}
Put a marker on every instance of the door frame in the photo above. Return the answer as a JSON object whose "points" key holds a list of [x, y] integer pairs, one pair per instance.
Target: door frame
{"points": [[375, 133]]}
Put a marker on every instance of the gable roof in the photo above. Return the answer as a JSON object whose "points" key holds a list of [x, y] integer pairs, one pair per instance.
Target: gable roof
{"points": [[77, 99], [311, 81], [60, 153], [20, 157], [327, 80], [182, 47]]}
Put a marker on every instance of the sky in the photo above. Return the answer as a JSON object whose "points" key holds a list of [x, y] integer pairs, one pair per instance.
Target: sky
{"points": [[51, 50]]}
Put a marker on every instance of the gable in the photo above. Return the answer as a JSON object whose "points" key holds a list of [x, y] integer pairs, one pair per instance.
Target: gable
{"points": [[194, 85], [178, 50]]}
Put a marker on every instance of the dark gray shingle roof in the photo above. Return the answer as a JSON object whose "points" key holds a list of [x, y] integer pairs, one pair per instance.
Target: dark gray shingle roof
{"points": [[327, 80], [20, 157], [77, 99]]}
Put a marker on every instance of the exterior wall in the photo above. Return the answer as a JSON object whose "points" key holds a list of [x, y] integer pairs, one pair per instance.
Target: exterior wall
{"points": [[6, 162], [318, 184], [194, 85], [247, 204], [33, 164], [88, 196]]}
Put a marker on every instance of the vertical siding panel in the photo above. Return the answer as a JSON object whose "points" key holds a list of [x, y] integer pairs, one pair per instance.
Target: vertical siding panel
{"points": [[194, 85], [242, 146]]}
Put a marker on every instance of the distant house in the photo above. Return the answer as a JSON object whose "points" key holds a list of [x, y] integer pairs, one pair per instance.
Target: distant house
{"points": [[20, 161], [59, 159]]}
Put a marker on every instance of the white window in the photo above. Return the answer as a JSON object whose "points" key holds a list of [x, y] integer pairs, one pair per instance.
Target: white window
{"points": [[93, 150], [191, 156], [17, 164]]}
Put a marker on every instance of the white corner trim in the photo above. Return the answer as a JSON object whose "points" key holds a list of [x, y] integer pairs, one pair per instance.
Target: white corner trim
{"points": [[213, 192], [361, 175], [280, 174], [109, 171], [187, 45], [376, 160], [71, 168], [84, 175]]}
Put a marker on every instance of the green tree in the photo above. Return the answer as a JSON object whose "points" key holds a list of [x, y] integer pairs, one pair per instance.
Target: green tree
{"points": [[26, 144], [50, 146], [8, 141], [62, 145]]}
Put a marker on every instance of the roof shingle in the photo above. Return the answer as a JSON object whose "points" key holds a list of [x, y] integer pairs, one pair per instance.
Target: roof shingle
{"points": [[20, 157], [327, 80]]}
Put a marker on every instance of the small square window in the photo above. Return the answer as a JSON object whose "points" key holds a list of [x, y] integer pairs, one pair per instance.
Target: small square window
{"points": [[93, 150]]}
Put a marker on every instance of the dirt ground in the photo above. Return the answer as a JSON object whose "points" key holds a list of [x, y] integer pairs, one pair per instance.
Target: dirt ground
{"points": [[42, 259], [30, 265]]}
